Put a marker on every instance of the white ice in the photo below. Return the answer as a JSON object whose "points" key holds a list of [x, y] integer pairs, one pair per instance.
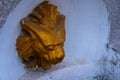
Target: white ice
{"points": [[87, 31]]}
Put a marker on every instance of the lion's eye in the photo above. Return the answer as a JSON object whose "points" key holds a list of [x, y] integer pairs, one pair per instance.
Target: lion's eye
{"points": [[51, 47]]}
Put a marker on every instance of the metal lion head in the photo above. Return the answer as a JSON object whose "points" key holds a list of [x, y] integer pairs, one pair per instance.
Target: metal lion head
{"points": [[42, 38]]}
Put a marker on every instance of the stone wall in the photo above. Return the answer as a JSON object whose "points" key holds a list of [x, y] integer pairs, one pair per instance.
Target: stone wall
{"points": [[6, 6], [113, 7]]}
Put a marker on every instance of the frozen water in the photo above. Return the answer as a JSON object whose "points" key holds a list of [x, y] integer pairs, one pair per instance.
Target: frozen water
{"points": [[87, 33]]}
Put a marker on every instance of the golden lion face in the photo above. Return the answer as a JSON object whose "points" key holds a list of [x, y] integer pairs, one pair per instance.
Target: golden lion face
{"points": [[42, 38]]}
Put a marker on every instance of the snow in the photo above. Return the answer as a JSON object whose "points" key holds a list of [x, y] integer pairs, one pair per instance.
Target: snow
{"points": [[111, 64], [87, 31], [81, 72]]}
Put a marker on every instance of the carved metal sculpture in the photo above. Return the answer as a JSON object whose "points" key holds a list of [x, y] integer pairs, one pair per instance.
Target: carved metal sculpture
{"points": [[42, 38]]}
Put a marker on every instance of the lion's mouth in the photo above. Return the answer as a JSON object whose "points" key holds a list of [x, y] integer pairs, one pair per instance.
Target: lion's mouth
{"points": [[31, 60]]}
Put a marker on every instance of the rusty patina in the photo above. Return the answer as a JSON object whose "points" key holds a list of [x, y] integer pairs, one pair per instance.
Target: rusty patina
{"points": [[42, 38]]}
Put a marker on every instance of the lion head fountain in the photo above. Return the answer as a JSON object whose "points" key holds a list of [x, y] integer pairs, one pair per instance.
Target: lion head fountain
{"points": [[42, 38]]}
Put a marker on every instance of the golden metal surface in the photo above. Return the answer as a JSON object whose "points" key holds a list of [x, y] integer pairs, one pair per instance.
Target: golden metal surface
{"points": [[42, 38]]}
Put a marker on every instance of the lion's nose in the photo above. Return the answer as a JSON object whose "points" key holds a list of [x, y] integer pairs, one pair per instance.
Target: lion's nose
{"points": [[58, 54]]}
